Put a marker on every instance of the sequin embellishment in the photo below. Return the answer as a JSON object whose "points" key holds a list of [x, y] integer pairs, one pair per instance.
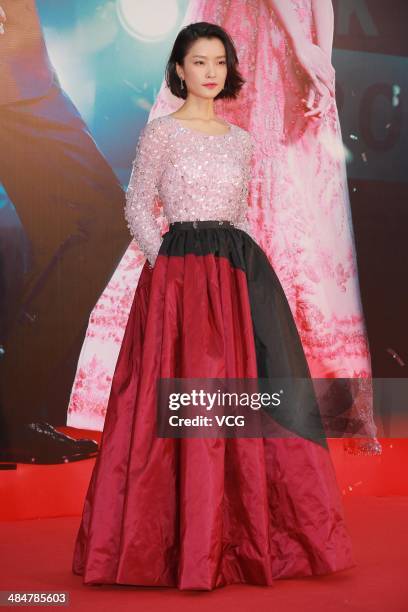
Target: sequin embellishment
{"points": [[197, 176]]}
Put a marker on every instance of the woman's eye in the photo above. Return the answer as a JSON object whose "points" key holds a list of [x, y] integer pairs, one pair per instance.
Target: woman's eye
{"points": [[200, 62]]}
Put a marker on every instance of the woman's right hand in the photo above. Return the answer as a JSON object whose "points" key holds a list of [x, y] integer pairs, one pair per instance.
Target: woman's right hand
{"points": [[317, 66]]}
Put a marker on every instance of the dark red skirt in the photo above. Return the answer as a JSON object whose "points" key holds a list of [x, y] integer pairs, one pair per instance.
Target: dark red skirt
{"points": [[200, 513]]}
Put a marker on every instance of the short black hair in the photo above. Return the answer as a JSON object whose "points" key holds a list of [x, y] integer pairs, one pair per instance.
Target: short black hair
{"points": [[185, 38]]}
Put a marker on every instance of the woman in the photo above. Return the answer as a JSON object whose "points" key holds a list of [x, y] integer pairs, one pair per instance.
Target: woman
{"points": [[299, 203], [204, 512]]}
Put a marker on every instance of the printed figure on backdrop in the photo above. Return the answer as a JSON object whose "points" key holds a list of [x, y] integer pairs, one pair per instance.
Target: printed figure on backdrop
{"points": [[299, 202], [70, 205], [208, 304]]}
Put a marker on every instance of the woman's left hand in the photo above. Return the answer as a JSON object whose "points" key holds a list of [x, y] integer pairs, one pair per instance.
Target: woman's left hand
{"points": [[321, 99]]}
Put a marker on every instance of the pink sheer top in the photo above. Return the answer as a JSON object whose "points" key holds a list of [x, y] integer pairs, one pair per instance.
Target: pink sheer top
{"points": [[196, 176]]}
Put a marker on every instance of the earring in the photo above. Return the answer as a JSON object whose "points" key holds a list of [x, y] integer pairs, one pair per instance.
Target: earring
{"points": [[181, 83]]}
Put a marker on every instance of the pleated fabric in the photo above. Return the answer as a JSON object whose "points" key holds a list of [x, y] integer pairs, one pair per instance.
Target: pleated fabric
{"points": [[201, 513]]}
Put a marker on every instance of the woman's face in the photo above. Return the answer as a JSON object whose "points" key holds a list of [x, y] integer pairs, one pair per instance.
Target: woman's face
{"points": [[205, 62]]}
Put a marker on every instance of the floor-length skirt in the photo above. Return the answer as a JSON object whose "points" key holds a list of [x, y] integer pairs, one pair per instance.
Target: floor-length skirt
{"points": [[200, 513], [299, 209]]}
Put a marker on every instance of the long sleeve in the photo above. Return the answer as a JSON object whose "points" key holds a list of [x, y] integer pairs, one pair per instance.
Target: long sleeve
{"points": [[247, 152], [142, 189]]}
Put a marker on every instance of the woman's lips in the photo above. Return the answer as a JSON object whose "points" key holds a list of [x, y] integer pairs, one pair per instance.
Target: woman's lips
{"points": [[211, 85]]}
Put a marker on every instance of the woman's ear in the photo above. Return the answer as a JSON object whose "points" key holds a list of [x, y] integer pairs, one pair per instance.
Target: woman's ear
{"points": [[180, 76]]}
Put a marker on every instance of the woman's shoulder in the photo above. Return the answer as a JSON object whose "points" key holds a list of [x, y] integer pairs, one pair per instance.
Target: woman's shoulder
{"points": [[245, 140], [242, 133], [157, 125], [155, 134]]}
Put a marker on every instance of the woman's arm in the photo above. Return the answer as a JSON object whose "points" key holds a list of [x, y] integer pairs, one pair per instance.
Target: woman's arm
{"points": [[142, 188], [315, 61], [289, 20], [323, 17]]}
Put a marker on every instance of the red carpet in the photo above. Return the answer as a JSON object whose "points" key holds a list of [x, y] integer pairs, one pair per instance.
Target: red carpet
{"points": [[37, 554]]}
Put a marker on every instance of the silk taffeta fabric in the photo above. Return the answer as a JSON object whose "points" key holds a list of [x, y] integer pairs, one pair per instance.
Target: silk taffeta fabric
{"points": [[204, 513]]}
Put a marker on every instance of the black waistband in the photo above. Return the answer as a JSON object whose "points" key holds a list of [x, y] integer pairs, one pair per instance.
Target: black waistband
{"points": [[199, 224]]}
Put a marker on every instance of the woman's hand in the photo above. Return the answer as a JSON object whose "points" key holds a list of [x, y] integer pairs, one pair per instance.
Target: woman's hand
{"points": [[3, 20], [151, 261], [322, 99], [317, 66]]}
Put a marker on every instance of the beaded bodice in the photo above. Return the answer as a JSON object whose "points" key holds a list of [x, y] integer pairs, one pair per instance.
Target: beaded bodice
{"points": [[197, 176]]}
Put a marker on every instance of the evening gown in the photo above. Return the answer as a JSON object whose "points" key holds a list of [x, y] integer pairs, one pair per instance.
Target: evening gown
{"points": [[201, 513], [299, 211]]}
